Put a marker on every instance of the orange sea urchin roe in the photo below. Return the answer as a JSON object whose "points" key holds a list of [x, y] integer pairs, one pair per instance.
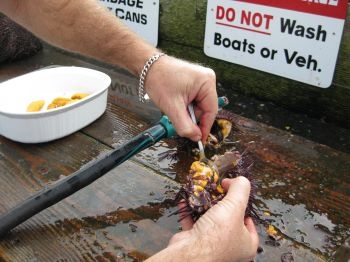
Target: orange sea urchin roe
{"points": [[225, 126], [62, 101], [35, 106], [59, 101], [79, 95], [201, 175]]}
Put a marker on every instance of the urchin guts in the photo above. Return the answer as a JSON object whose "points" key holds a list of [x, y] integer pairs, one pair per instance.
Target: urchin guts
{"points": [[203, 187], [221, 129]]}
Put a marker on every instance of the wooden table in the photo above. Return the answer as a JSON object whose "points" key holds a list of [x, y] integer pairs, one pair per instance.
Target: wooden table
{"points": [[303, 187]]}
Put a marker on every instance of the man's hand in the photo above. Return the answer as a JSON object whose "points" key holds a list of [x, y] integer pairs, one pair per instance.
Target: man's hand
{"points": [[221, 234], [173, 84]]}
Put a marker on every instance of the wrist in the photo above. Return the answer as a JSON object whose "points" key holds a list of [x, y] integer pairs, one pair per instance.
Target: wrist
{"points": [[143, 97]]}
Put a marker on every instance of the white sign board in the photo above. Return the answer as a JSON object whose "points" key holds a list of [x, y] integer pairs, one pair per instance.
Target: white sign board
{"points": [[142, 16], [297, 39]]}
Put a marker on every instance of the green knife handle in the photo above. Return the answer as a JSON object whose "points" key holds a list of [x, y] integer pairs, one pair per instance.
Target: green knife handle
{"points": [[168, 126]]}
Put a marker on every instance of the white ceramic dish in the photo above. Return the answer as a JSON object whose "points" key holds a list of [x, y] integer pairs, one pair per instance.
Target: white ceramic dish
{"points": [[46, 84]]}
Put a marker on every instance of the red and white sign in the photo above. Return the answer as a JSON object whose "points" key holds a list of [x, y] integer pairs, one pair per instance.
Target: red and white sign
{"points": [[297, 39]]}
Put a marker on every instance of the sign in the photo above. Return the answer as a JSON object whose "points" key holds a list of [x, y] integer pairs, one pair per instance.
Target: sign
{"points": [[142, 16], [297, 39]]}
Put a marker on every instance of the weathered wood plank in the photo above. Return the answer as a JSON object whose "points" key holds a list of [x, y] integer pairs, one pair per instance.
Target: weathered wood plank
{"points": [[99, 220], [302, 190], [38, 165], [78, 227], [303, 186], [121, 125]]}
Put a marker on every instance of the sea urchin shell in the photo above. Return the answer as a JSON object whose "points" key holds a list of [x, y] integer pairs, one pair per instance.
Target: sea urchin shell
{"points": [[203, 188]]}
